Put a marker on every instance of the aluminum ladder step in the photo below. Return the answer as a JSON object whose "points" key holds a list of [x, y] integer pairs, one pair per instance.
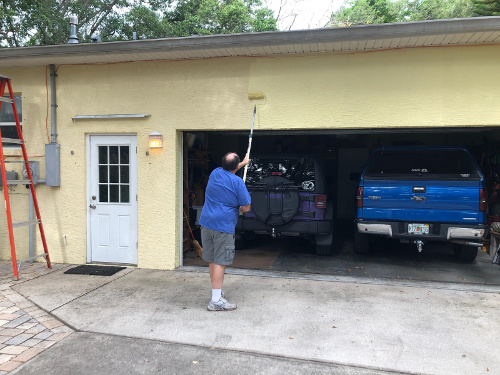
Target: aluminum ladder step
{"points": [[25, 223], [12, 140], [6, 100], [19, 262], [18, 182]]}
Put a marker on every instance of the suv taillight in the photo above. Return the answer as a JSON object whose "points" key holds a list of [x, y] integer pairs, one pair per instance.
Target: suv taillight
{"points": [[359, 197], [482, 200], [320, 201]]}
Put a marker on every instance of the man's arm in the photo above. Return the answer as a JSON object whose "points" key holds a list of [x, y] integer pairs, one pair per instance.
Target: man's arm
{"points": [[244, 162], [244, 209]]}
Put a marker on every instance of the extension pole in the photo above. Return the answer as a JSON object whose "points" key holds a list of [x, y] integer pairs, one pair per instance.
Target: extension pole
{"points": [[249, 143]]}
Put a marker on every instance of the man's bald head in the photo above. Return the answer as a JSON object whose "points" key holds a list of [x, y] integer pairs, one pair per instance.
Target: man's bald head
{"points": [[230, 161]]}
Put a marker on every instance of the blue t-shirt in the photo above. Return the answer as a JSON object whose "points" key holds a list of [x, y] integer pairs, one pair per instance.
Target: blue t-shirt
{"points": [[224, 195]]}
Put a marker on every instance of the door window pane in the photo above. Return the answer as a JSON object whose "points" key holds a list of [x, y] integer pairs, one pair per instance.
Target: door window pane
{"points": [[113, 154], [114, 193], [124, 154], [103, 174], [103, 154], [125, 196], [124, 174], [113, 174], [103, 193]]}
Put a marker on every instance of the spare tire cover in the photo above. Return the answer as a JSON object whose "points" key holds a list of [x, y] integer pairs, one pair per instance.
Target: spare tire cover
{"points": [[275, 204]]}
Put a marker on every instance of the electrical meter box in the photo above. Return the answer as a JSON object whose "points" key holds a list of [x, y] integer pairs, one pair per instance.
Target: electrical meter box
{"points": [[53, 164], [11, 175], [35, 171]]}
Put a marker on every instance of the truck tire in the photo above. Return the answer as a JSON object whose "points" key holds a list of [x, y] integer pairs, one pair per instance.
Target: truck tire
{"points": [[465, 253], [324, 243], [239, 241], [323, 250], [361, 243]]}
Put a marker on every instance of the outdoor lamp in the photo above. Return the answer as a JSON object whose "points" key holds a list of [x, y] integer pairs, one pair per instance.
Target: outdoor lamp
{"points": [[155, 140]]}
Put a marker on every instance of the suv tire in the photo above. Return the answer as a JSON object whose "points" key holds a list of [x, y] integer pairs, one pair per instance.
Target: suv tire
{"points": [[361, 243], [239, 242], [323, 250], [324, 243], [465, 253]]}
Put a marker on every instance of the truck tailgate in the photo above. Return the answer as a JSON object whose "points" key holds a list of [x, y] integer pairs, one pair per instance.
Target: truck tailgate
{"points": [[421, 201]]}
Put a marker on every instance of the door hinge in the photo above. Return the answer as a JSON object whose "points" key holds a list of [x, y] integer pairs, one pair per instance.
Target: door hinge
{"points": [[136, 199], [137, 245]]}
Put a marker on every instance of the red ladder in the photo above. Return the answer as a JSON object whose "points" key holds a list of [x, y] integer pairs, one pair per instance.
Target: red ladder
{"points": [[16, 265]]}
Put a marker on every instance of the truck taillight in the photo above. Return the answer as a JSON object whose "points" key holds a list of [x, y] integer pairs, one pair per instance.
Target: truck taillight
{"points": [[320, 201], [359, 197], [482, 200]]}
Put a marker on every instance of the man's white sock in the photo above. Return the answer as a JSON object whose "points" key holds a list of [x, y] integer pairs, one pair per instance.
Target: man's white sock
{"points": [[216, 294]]}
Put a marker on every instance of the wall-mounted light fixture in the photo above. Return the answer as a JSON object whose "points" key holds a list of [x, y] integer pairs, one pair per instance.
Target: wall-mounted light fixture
{"points": [[155, 140]]}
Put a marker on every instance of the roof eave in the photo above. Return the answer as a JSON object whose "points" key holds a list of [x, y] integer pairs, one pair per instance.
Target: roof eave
{"points": [[262, 39]]}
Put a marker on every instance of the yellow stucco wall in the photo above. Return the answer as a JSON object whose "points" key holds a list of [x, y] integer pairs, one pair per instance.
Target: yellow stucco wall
{"points": [[395, 88]]}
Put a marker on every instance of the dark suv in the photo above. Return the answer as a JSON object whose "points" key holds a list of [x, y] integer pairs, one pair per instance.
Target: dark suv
{"points": [[288, 199]]}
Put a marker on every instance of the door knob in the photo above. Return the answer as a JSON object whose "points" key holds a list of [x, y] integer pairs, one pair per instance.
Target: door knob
{"points": [[93, 206]]}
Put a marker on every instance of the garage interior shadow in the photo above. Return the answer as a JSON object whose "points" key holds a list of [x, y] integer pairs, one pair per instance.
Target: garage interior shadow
{"points": [[344, 154], [387, 260]]}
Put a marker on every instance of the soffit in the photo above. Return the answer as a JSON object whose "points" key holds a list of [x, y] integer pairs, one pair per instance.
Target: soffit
{"points": [[454, 32]]}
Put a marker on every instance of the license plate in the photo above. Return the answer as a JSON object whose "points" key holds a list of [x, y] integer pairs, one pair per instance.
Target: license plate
{"points": [[418, 228]]}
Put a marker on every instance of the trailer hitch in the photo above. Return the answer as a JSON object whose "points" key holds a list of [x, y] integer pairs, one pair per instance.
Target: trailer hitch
{"points": [[420, 245]]}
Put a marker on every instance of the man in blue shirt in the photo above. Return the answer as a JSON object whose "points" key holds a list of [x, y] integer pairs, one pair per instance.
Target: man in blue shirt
{"points": [[225, 197]]}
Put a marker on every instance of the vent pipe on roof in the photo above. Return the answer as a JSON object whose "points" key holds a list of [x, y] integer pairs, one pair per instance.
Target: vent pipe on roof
{"points": [[73, 22], [134, 35]]}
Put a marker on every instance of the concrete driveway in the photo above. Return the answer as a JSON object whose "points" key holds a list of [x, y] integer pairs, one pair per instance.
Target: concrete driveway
{"points": [[357, 325]]}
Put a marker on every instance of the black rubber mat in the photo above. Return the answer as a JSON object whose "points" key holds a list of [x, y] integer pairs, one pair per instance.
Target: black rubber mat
{"points": [[94, 270]]}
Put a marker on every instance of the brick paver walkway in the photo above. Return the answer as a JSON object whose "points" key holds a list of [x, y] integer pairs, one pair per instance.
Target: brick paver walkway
{"points": [[25, 329]]}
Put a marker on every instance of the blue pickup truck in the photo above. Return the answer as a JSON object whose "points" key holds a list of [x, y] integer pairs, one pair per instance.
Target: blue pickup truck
{"points": [[422, 194]]}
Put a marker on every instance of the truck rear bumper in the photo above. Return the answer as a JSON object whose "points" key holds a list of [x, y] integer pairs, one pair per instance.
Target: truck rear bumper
{"points": [[437, 231]]}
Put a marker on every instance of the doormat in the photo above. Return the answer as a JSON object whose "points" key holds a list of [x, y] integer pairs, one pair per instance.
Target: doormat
{"points": [[94, 270]]}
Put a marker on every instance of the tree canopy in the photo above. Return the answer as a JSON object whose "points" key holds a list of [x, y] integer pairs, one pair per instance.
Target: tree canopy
{"points": [[487, 7], [362, 12], [45, 22]]}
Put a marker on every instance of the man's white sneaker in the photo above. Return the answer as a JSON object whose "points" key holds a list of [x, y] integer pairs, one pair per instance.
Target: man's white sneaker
{"points": [[221, 305]]}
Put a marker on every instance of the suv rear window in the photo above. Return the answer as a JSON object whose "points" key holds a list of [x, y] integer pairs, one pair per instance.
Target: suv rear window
{"points": [[438, 163], [300, 171]]}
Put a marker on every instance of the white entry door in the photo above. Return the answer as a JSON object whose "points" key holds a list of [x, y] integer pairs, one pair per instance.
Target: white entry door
{"points": [[112, 199]]}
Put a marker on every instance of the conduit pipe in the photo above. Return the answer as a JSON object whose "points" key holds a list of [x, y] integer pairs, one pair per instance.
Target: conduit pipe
{"points": [[52, 149], [53, 104]]}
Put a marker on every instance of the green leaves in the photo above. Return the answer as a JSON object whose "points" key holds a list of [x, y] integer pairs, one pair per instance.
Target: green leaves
{"points": [[487, 7], [362, 12], [42, 22], [205, 17]]}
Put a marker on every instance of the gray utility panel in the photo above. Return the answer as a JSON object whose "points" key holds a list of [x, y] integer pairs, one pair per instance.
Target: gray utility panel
{"points": [[53, 164]]}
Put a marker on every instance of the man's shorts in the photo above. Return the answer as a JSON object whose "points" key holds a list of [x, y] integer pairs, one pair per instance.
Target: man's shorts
{"points": [[218, 247]]}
